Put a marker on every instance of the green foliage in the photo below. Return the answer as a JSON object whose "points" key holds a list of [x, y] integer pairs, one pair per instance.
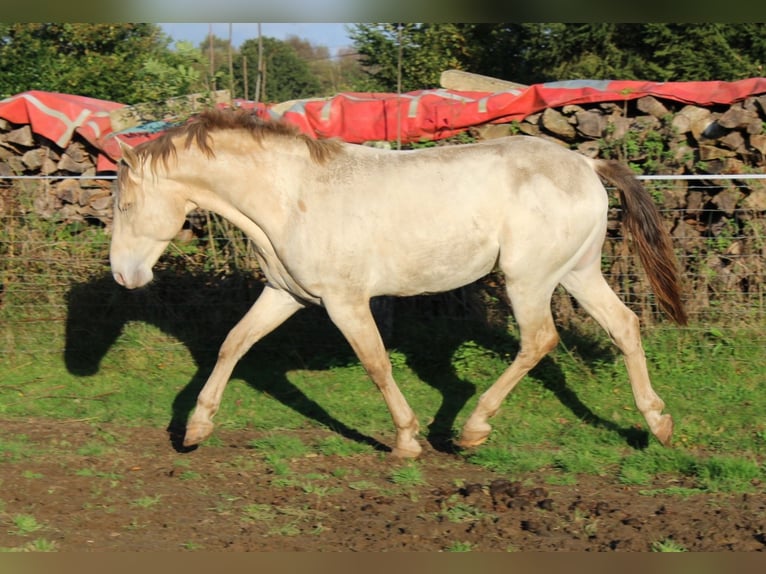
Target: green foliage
{"points": [[503, 459], [282, 446], [339, 446], [170, 75], [119, 62], [409, 474], [459, 547], [647, 151], [25, 524], [285, 76], [667, 545], [423, 50], [460, 512], [530, 53]]}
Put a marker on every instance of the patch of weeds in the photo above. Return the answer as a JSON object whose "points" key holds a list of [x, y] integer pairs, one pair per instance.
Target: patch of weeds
{"points": [[316, 476], [214, 440], [191, 545], [711, 474], [284, 482], [108, 437], [725, 474], [634, 475], [339, 446], [279, 466], [592, 461], [31, 474], [91, 472], [319, 490], [462, 512], [189, 475], [459, 547], [37, 545], [561, 480], [299, 513], [340, 472], [283, 446], [672, 491], [409, 474], [362, 485], [24, 524], [505, 460], [225, 504], [258, 512], [136, 524], [667, 545], [15, 449], [146, 501], [92, 449], [641, 468], [241, 462], [41, 545], [289, 529]]}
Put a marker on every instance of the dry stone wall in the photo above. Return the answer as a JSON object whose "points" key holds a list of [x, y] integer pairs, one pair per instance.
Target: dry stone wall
{"points": [[71, 190], [719, 225]]}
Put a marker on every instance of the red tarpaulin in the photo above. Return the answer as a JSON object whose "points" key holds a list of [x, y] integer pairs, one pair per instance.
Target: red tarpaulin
{"points": [[360, 117]]}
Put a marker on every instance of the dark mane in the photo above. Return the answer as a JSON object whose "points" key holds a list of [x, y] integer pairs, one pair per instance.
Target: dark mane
{"points": [[197, 130]]}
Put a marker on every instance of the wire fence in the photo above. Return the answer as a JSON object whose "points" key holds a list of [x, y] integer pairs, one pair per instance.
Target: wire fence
{"points": [[49, 263]]}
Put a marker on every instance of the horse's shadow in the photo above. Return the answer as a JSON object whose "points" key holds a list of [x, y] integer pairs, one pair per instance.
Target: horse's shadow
{"points": [[198, 310]]}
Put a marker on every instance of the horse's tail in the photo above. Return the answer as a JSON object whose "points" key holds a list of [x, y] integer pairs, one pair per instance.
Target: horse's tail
{"points": [[644, 223]]}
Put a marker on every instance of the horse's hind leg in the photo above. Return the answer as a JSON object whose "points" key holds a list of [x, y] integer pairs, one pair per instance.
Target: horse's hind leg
{"points": [[355, 321], [591, 290], [531, 308], [270, 310]]}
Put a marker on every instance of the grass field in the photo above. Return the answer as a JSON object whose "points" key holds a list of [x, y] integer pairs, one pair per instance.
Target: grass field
{"points": [[135, 359]]}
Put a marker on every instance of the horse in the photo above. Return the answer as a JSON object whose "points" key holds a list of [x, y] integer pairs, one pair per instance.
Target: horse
{"points": [[335, 224]]}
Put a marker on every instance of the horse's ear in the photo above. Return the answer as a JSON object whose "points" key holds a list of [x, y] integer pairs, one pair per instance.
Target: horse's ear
{"points": [[129, 157]]}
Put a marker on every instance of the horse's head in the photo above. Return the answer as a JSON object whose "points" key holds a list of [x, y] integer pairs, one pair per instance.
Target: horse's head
{"points": [[149, 210]]}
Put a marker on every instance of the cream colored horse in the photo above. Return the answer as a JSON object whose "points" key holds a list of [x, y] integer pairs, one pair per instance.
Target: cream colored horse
{"points": [[335, 224]]}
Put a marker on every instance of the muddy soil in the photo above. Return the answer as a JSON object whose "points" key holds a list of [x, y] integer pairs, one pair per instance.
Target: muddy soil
{"points": [[106, 488]]}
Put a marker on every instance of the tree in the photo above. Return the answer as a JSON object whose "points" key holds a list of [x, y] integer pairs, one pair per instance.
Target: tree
{"points": [[175, 75], [542, 52], [285, 76], [215, 68], [106, 61], [319, 63], [407, 56]]}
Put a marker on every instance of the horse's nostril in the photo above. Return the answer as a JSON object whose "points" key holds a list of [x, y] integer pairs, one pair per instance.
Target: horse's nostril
{"points": [[119, 278]]}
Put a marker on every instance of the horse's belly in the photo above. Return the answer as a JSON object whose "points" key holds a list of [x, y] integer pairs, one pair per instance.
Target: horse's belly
{"points": [[431, 270]]}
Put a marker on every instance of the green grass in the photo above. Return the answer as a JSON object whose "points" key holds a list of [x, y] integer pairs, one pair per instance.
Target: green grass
{"points": [[281, 446], [409, 474], [667, 545], [573, 415], [24, 524], [146, 501]]}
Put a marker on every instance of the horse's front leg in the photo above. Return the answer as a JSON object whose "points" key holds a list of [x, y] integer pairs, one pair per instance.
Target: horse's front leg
{"points": [[356, 322], [269, 311]]}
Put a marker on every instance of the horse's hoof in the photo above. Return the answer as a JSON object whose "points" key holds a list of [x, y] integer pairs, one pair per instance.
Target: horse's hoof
{"points": [[195, 434], [398, 452], [664, 430], [471, 439]]}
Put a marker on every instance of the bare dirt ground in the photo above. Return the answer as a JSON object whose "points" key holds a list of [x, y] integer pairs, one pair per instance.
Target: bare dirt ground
{"points": [[139, 494]]}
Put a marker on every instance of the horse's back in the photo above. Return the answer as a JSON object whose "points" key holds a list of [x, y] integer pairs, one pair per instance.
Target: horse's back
{"points": [[431, 220]]}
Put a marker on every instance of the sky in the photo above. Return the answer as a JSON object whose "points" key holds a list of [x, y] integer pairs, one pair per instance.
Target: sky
{"points": [[334, 36]]}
